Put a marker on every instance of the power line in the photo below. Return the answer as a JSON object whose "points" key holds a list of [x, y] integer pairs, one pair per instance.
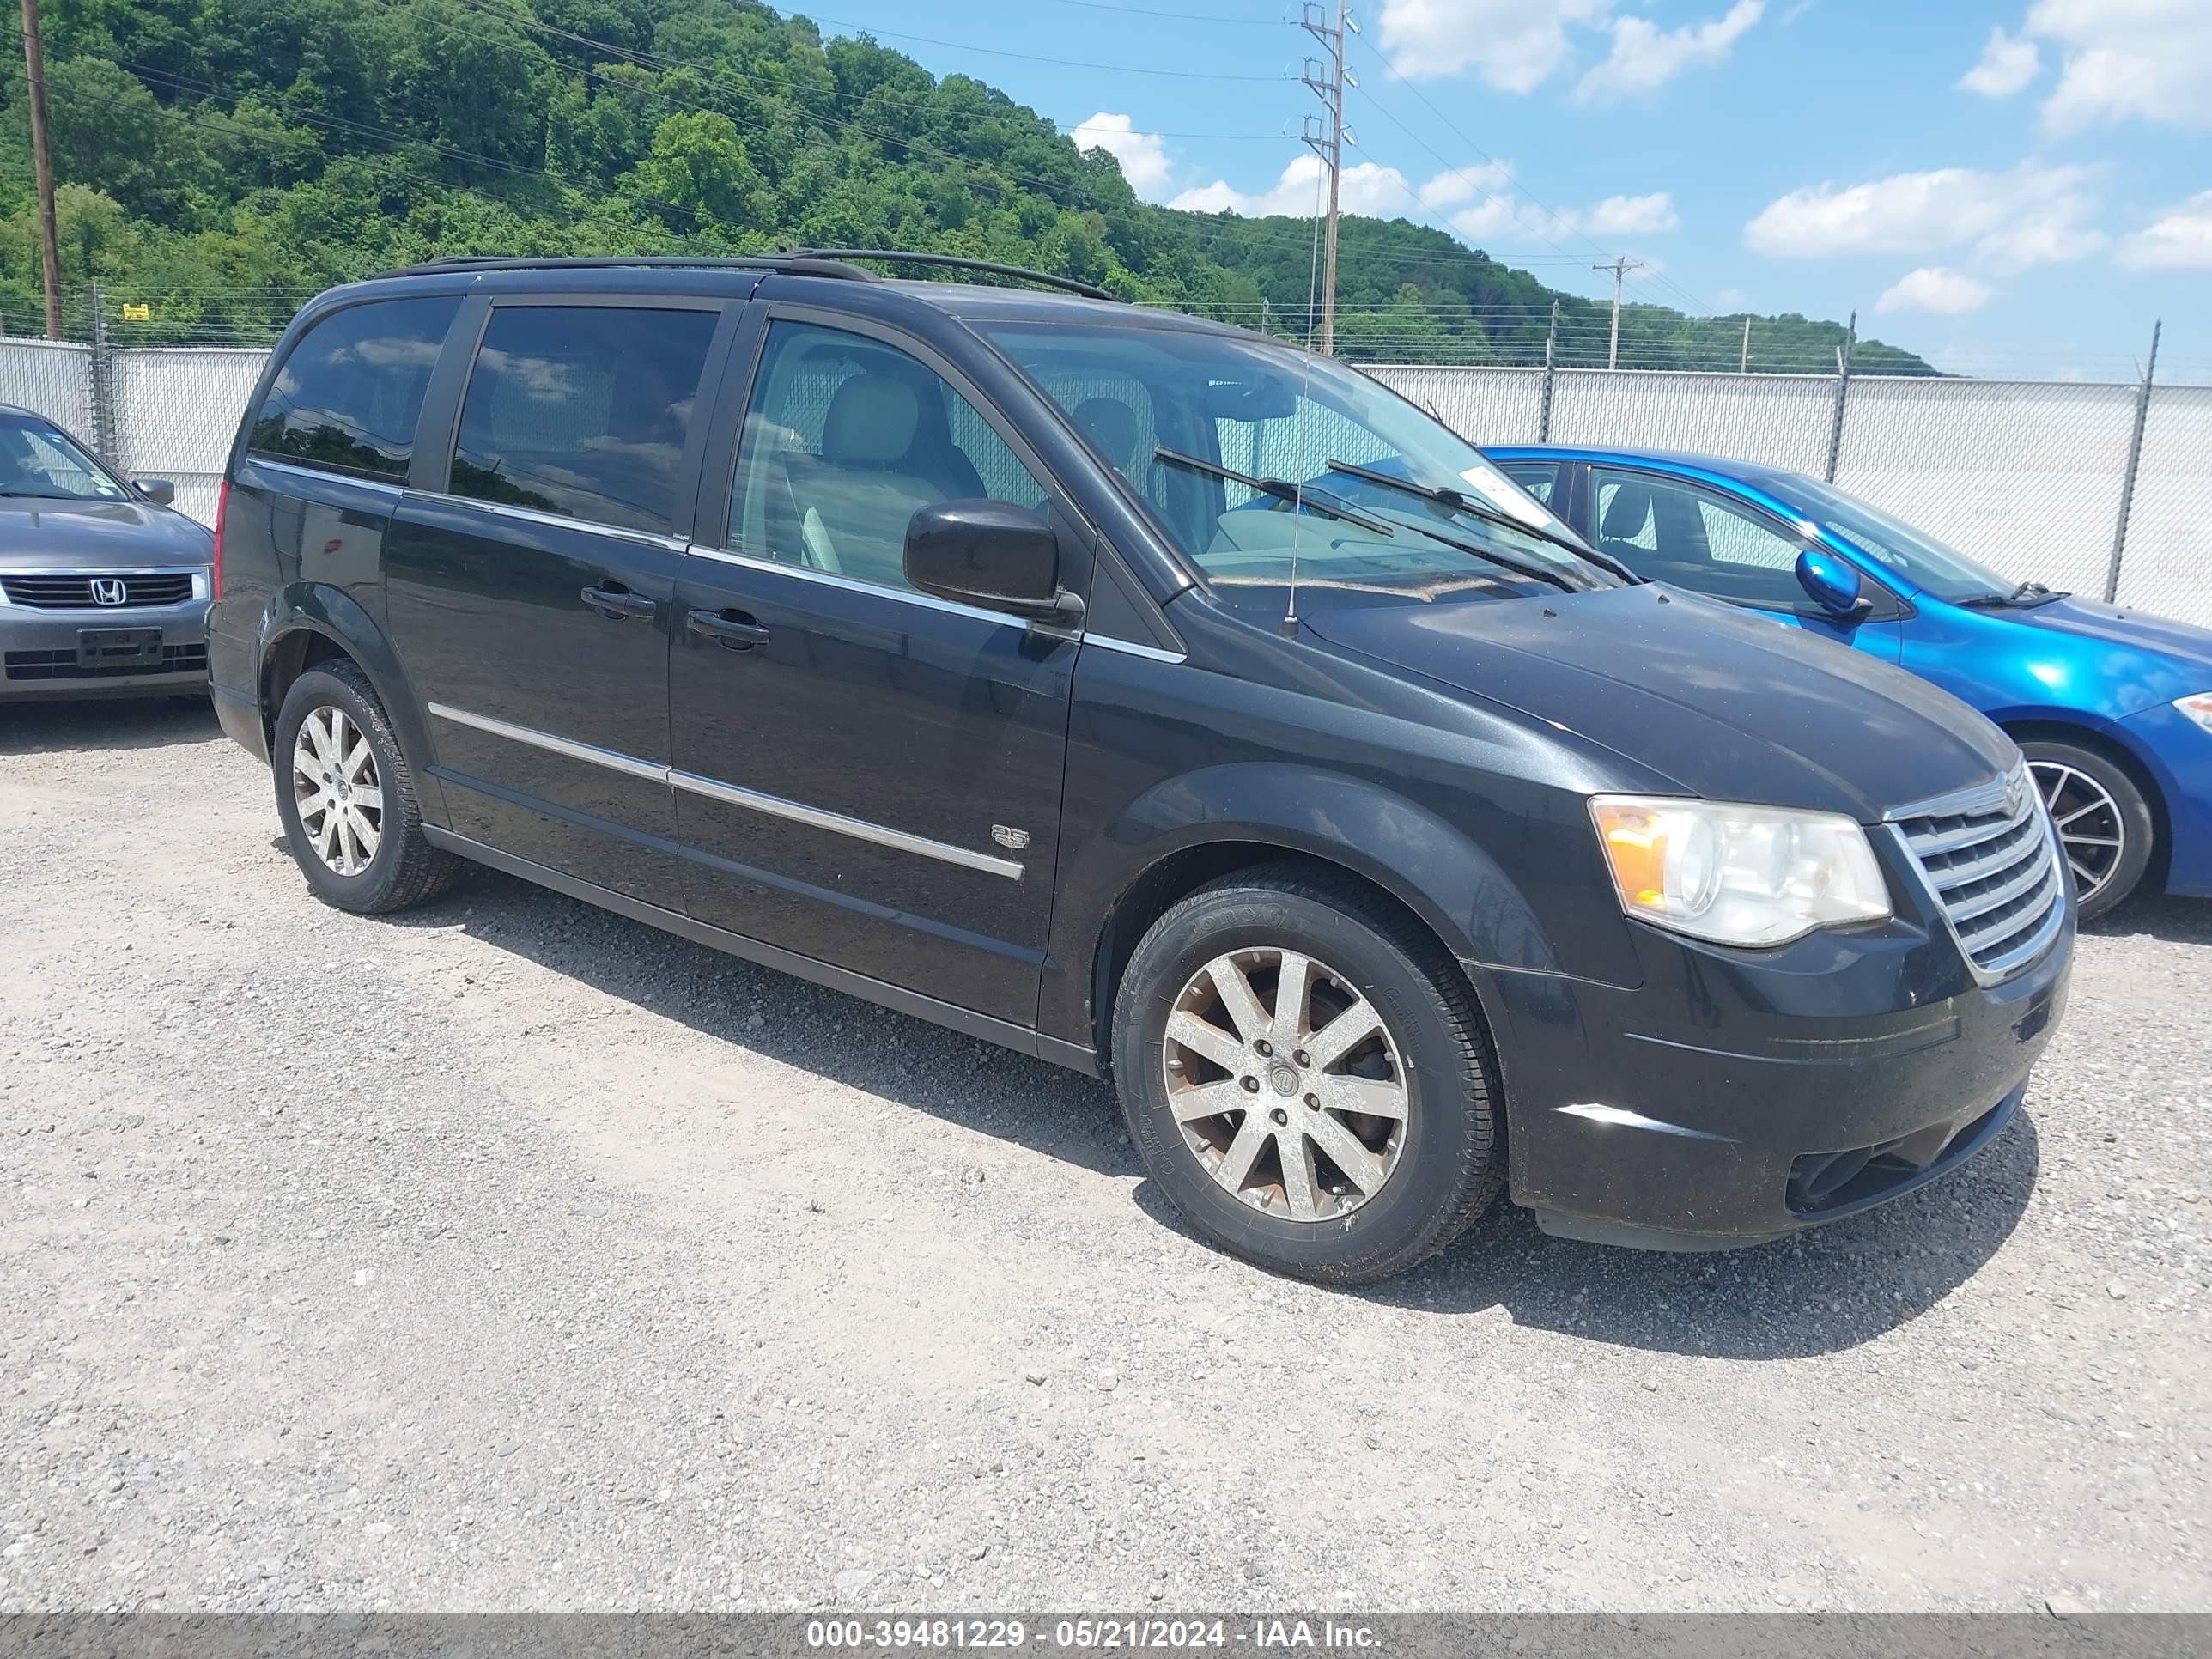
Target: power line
{"points": [[1034, 58]]}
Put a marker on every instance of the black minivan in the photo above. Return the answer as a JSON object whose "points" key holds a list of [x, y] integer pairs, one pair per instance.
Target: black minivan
{"points": [[1149, 697]]}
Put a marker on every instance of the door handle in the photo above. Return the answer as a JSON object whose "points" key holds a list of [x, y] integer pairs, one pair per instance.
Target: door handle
{"points": [[614, 602], [734, 630]]}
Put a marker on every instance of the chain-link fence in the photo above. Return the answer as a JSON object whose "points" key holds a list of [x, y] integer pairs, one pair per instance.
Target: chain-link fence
{"points": [[2031, 478]]}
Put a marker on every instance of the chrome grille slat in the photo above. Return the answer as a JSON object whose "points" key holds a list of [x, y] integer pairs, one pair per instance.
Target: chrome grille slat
{"points": [[1989, 858]]}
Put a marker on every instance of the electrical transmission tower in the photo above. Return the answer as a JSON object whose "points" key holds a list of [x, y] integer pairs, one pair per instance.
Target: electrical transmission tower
{"points": [[1325, 135]]}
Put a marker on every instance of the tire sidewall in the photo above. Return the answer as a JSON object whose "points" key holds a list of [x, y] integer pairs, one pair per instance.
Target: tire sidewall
{"points": [[2127, 795], [1392, 1230], [316, 689]]}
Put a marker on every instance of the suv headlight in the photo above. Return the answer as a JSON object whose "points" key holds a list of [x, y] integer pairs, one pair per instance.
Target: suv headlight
{"points": [[1738, 875], [2198, 708]]}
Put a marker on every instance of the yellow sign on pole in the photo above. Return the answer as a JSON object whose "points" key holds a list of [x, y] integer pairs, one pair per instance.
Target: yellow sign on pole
{"points": [[137, 313]]}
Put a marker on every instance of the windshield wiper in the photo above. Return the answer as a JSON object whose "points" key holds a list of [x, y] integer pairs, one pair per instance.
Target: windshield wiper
{"points": [[1534, 572], [1322, 501], [2025, 594], [1459, 501], [45, 495]]}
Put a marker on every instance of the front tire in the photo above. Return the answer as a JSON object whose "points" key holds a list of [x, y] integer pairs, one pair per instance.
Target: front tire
{"points": [[347, 797], [2106, 826], [1306, 1075]]}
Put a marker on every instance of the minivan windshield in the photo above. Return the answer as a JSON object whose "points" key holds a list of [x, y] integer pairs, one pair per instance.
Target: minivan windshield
{"points": [[1261, 461], [43, 462], [1941, 571]]}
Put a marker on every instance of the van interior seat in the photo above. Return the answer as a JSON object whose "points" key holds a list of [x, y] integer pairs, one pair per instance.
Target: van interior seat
{"points": [[887, 450]]}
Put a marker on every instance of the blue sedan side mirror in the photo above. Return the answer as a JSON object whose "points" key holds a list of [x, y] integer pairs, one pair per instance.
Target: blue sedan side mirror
{"points": [[1833, 582]]}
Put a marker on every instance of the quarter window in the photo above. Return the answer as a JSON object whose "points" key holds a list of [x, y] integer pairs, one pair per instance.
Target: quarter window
{"points": [[583, 410], [845, 439], [1676, 532], [347, 398], [1537, 477]]}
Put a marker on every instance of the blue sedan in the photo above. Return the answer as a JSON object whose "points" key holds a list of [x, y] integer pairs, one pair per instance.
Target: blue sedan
{"points": [[2112, 709]]}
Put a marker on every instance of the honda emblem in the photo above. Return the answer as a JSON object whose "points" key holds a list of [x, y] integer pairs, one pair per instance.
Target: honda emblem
{"points": [[109, 589]]}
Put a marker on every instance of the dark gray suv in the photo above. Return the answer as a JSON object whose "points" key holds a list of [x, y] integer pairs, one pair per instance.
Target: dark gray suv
{"points": [[104, 587]]}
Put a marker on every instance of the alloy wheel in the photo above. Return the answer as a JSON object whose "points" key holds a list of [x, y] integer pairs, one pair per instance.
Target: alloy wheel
{"points": [[336, 787], [2091, 830], [1286, 1083]]}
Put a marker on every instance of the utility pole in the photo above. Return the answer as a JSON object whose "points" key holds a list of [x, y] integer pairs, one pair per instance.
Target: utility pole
{"points": [[1620, 268], [34, 72], [1328, 79]]}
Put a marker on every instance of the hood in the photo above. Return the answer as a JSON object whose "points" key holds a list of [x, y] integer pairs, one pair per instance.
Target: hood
{"points": [[2190, 649], [38, 533], [1722, 704]]}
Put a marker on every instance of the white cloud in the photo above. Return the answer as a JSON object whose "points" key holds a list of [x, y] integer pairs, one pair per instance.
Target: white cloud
{"points": [[2006, 66], [2031, 216], [1143, 157], [2178, 240], [1368, 187], [1645, 57], [1946, 293], [2147, 58], [1464, 184], [1515, 45], [1632, 215]]}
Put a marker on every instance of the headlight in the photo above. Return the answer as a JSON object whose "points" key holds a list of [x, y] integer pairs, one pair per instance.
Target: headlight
{"points": [[2198, 708], [1739, 875]]}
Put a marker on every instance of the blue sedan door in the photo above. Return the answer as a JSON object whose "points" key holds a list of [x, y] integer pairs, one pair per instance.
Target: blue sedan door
{"points": [[1677, 531]]}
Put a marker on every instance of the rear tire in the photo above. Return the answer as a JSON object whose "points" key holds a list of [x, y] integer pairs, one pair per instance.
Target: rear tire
{"points": [[1281, 1138], [347, 797], [2095, 803]]}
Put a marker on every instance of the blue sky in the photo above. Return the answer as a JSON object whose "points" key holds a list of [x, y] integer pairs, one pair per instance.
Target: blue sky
{"points": [[2018, 186]]}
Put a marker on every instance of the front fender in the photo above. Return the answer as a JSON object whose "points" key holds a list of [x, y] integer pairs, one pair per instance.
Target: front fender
{"points": [[1428, 865]]}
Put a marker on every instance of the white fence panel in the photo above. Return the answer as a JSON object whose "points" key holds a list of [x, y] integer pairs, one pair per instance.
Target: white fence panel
{"points": [[1776, 420], [51, 378], [2024, 476], [2167, 566], [1483, 406], [176, 409]]}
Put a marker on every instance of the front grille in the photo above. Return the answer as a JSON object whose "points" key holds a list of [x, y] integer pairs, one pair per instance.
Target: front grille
{"points": [[1989, 858], [48, 591], [63, 665]]}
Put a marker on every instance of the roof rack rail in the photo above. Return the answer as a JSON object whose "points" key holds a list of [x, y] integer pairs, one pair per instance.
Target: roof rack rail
{"points": [[800, 264], [956, 262]]}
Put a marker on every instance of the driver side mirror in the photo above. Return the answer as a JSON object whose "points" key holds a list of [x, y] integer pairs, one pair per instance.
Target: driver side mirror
{"points": [[993, 555], [159, 491], [1833, 583]]}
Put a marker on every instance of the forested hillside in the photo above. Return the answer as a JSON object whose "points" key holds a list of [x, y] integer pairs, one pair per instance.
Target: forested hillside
{"points": [[220, 160]]}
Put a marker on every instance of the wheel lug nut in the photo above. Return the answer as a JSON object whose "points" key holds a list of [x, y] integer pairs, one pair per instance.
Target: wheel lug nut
{"points": [[1314, 1101], [1299, 1057], [1251, 1085], [1282, 1118], [1263, 1048]]}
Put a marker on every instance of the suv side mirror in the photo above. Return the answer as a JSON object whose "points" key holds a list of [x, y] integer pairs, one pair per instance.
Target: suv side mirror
{"points": [[990, 554], [1833, 583], [159, 491]]}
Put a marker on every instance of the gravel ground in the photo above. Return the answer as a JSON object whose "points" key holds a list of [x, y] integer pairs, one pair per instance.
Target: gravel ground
{"points": [[509, 1255]]}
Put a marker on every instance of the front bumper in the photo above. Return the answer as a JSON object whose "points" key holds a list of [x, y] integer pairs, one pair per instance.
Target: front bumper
{"points": [[38, 656], [2178, 751], [1736, 1096]]}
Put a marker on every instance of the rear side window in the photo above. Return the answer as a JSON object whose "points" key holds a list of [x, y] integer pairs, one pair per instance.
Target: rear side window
{"points": [[347, 398], [583, 410], [1537, 477]]}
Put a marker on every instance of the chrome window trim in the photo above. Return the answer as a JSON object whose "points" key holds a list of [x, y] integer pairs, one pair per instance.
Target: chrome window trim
{"points": [[929, 601], [666, 544], [731, 795], [106, 570], [255, 458]]}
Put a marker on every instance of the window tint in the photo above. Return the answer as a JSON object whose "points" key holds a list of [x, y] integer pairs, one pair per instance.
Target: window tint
{"points": [[583, 410], [347, 395], [1676, 532], [1537, 477], [844, 440]]}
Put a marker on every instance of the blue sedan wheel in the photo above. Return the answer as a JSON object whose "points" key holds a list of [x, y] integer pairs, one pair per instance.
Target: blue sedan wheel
{"points": [[2105, 825]]}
